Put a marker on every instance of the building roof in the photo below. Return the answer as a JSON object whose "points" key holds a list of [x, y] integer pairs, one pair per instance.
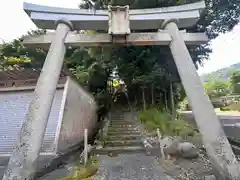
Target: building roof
{"points": [[21, 77]]}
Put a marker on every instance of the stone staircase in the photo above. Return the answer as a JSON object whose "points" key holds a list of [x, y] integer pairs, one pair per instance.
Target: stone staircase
{"points": [[123, 135]]}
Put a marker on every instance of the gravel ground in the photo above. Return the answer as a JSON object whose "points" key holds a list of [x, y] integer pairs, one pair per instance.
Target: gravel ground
{"points": [[184, 169], [142, 167], [130, 167], [58, 173]]}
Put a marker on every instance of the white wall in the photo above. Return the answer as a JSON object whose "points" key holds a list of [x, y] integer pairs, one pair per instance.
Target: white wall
{"points": [[78, 112]]}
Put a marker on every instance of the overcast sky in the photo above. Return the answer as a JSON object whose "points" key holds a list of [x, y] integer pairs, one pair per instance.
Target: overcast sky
{"points": [[14, 23]]}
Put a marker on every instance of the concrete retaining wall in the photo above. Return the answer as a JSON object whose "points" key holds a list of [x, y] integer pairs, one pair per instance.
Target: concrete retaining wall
{"points": [[72, 111], [78, 111], [230, 123]]}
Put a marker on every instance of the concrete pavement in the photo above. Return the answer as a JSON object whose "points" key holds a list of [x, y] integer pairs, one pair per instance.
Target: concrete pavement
{"points": [[229, 120]]}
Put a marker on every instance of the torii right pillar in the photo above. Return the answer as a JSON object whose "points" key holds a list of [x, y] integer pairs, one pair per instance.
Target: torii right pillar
{"points": [[215, 141]]}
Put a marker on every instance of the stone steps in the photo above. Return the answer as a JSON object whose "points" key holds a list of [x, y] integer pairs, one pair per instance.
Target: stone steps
{"points": [[120, 133], [124, 137], [120, 150], [119, 119], [122, 123], [122, 129], [123, 143], [122, 126]]}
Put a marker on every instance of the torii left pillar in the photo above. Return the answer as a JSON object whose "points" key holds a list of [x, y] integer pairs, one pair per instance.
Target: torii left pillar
{"points": [[22, 163]]}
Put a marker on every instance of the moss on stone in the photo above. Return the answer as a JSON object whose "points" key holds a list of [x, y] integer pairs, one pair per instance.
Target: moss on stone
{"points": [[66, 178], [84, 172]]}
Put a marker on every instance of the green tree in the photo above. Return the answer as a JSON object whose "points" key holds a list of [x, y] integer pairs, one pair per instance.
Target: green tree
{"points": [[218, 17], [15, 53], [152, 67], [217, 88], [235, 80]]}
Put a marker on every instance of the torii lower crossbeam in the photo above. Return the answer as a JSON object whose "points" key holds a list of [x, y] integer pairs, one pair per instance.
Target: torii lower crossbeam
{"points": [[103, 39]]}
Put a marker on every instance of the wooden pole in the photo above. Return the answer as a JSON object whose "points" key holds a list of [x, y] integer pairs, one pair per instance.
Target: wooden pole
{"points": [[152, 93], [143, 99], [85, 146], [165, 99], [172, 101], [160, 145]]}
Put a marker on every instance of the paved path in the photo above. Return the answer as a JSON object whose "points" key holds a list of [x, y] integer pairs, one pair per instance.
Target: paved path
{"points": [[130, 167], [226, 118], [229, 113], [230, 122]]}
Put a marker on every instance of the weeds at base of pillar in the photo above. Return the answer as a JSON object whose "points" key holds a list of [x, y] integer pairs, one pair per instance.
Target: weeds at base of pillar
{"points": [[84, 172]]}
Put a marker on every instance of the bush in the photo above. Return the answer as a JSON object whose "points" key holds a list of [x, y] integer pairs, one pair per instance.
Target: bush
{"points": [[188, 107], [181, 128], [217, 103], [153, 119], [183, 105], [84, 172]]}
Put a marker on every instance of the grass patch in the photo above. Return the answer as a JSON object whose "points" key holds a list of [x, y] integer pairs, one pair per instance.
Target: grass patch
{"points": [[153, 119], [82, 172], [231, 107]]}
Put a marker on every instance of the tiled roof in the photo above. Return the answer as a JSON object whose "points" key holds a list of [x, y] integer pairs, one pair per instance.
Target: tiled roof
{"points": [[23, 77]]}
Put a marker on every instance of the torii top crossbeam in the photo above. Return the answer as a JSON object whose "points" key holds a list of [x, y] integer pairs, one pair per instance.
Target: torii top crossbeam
{"points": [[45, 17]]}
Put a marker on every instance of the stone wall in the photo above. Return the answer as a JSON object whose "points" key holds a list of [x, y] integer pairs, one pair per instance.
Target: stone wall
{"points": [[78, 112]]}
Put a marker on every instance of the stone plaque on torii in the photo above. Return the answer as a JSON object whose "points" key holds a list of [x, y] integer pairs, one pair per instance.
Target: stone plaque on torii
{"points": [[118, 22]]}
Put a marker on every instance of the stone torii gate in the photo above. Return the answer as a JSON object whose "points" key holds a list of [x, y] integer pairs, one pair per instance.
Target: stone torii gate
{"points": [[118, 21]]}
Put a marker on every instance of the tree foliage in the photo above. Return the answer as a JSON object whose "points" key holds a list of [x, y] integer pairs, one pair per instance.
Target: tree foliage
{"points": [[217, 88], [16, 53], [143, 66], [219, 16], [149, 68], [235, 80]]}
